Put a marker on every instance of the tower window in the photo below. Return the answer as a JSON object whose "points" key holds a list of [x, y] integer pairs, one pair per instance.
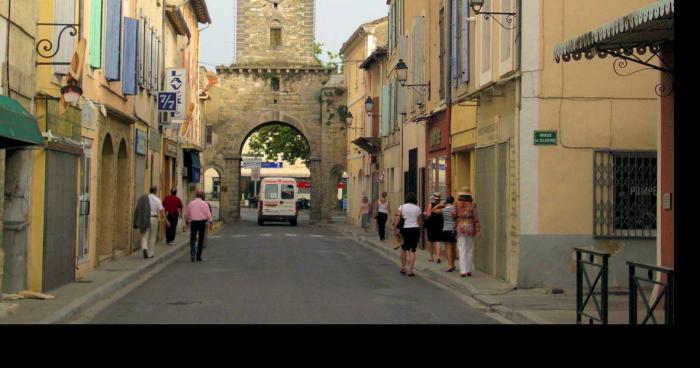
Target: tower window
{"points": [[275, 37], [275, 5], [275, 84]]}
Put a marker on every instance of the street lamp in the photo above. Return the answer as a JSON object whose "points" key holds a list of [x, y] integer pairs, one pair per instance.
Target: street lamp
{"points": [[71, 92], [369, 106], [348, 118], [401, 70], [477, 5]]}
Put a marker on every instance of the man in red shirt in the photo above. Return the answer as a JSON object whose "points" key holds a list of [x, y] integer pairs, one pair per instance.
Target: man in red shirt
{"points": [[173, 210]]}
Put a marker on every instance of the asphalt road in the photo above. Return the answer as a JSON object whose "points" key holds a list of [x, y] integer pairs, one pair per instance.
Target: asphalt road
{"points": [[282, 274]]}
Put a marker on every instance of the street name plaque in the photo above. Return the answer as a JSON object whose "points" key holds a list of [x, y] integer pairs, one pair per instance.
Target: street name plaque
{"points": [[545, 138]]}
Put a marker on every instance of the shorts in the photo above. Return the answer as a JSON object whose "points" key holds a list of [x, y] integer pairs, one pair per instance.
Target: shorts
{"points": [[410, 239], [449, 237]]}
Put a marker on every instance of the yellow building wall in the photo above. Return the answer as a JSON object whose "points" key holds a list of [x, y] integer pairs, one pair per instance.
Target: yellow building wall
{"points": [[599, 110]]}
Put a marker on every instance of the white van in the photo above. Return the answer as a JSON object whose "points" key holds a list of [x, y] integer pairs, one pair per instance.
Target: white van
{"points": [[278, 200]]}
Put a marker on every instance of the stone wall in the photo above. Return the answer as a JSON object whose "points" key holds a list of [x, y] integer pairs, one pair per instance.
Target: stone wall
{"points": [[255, 19]]}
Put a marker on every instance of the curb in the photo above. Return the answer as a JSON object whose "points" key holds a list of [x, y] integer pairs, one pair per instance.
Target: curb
{"points": [[467, 290], [73, 310]]}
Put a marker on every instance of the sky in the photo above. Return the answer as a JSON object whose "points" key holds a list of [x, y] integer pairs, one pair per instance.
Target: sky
{"points": [[336, 20]]}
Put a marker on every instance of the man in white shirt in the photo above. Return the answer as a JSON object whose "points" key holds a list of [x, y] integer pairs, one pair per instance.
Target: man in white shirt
{"points": [[148, 240]]}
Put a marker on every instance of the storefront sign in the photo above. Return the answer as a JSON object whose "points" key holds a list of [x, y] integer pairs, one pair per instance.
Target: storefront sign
{"points": [[176, 81], [435, 137], [546, 138], [155, 139], [141, 142]]}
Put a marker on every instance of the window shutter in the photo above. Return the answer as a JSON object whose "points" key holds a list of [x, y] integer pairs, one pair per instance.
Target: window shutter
{"points": [[140, 52], [95, 55], [147, 54], [465, 41], [113, 40], [455, 29], [394, 103], [64, 13], [391, 30], [154, 60], [129, 80], [385, 118]]}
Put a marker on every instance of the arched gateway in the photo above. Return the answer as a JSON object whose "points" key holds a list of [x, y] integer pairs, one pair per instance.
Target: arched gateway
{"points": [[277, 82]]}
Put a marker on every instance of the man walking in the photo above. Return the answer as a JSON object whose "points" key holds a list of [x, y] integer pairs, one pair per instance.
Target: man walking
{"points": [[198, 215], [149, 210], [173, 210]]}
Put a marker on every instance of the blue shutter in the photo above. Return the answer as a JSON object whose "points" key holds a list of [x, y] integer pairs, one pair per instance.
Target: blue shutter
{"points": [[465, 41], [455, 29], [385, 119], [113, 40], [131, 27]]}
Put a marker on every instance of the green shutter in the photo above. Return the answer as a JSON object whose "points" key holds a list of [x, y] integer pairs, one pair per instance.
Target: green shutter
{"points": [[95, 55], [385, 118]]}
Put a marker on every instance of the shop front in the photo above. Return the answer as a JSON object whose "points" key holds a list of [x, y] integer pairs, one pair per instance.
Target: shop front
{"points": [[438, 158]]}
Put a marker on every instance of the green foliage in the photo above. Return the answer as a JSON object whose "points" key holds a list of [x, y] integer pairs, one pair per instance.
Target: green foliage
{"points": [[279, 141], [334, 59]]}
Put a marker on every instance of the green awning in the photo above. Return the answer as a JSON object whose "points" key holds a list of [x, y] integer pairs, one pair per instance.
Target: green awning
{"points": [[647, 28], [18, 128]]}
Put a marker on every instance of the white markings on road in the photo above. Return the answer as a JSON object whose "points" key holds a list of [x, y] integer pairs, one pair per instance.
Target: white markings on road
{"points": [[266, 235], [317, 236], [291, 235]]}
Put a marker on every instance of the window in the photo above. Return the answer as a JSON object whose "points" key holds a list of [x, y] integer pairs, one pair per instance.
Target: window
{"points": [[624, 194], [288, 192], [275, 84], [271, 191], [210, 133], [275, 37]]}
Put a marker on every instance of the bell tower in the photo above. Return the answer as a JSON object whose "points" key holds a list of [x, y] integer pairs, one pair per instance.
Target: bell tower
{"points": [[275, 32]]}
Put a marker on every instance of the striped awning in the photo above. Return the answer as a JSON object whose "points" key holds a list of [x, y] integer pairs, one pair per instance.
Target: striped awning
{"points": [[645, 29]]}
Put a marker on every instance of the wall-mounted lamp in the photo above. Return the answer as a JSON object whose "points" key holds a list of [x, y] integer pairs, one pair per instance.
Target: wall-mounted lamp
{"points": [[401, 70], [71, 92], [476, 6], [348, 118]]}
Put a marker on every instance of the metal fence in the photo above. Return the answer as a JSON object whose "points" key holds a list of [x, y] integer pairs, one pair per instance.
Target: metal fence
{"points": [[665, 292], [599, 261]]}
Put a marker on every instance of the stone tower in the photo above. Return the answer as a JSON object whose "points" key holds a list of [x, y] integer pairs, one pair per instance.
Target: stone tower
{"points": [[274, 31], [276, 80]]}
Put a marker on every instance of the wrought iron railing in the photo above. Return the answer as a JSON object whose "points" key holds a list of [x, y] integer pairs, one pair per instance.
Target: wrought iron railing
{"points": [[598, 261], [665, 293]]}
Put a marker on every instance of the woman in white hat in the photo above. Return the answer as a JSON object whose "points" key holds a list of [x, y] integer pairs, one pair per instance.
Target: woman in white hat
{"points": [[468, 230]]}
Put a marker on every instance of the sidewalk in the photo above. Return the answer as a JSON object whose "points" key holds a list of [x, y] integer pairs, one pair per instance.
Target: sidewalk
{"points": [[522, 306], [76, 297]]}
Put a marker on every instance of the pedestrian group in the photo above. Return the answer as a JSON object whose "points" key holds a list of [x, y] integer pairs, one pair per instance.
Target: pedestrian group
{"points": [[150, 211]]}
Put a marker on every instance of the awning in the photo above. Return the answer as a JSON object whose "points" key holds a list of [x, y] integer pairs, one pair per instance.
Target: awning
{"points": [[18, 128], [369, 144], [177, 20], [376, 55], [644, 30]]}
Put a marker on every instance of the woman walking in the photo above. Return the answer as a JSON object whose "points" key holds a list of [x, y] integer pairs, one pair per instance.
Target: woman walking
{"points": [[434, 225], [383, 213], [448, 232], [365, 214], [410, 231], [468, 230]]}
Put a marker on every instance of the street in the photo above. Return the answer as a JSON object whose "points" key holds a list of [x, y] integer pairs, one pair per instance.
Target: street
{"points": [[284, 274]]}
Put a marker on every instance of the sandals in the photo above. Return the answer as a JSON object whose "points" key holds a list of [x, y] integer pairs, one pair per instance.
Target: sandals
{"points": [[411, 275], [451, 269], [403, 272], [431, 260]]}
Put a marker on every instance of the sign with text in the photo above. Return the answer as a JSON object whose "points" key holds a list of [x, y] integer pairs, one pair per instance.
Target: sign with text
{"points": [[141, 142], [176, 82], [167, 101], [545, 138], [251, 163], [255, 174]]}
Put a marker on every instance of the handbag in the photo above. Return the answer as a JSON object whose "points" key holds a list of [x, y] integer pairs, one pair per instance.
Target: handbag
{"points": [[401, 221]]}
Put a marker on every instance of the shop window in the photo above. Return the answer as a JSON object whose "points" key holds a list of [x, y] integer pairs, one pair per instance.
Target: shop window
{"points": [[624, 194]]}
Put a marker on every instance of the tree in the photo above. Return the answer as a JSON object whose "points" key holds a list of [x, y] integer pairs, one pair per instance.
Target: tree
{"points": [[279, 141], [333, 60]]}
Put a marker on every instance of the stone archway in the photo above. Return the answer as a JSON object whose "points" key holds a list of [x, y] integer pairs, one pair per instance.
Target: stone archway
{"points": [[309, 99]]}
